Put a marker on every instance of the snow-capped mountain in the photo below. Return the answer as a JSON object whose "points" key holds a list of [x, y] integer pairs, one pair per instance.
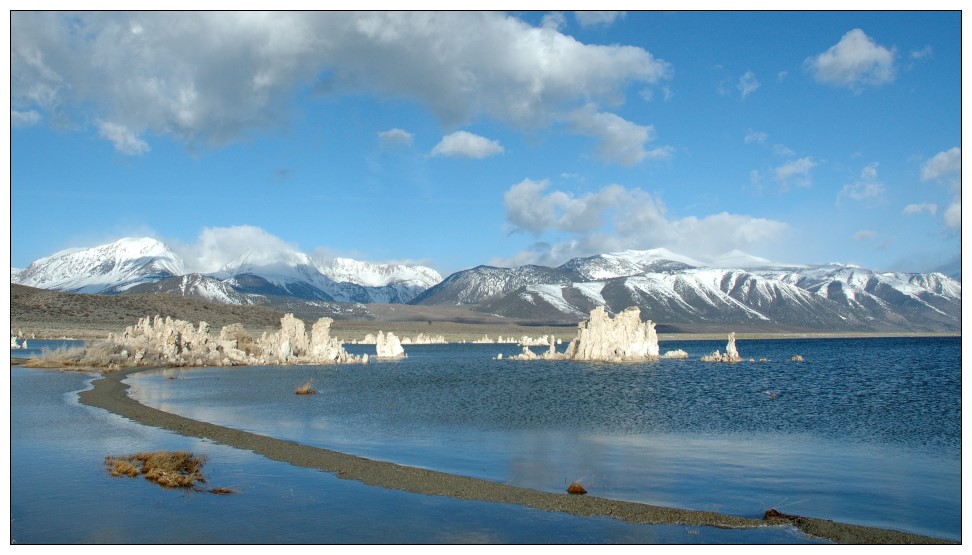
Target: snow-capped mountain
{"points": [[676, 289], [110, 268], [198, 286], [149, 266]]}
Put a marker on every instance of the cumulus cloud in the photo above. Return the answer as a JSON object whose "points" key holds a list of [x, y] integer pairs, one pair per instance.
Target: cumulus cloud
{"points": [[592, 19], [466, 144], [854, 62], [217, 246], [946, 168], [621, 141], [24, 119], [214, 77], [124, 139], [747, 84], [615, 218], [944, 164], [795, 172], [953, 214], [865, 188], [395, 137], [554, 20], [921, 208], [865, 235]]}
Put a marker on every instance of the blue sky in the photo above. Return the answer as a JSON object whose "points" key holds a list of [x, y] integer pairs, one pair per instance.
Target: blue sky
{"points": [[459, 139]]}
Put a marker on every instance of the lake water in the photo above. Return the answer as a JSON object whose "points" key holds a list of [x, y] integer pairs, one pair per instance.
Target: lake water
{"points": [[866, 431]]}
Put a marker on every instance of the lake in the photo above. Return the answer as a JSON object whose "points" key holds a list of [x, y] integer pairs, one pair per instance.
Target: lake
{"points": [[866, 431]]}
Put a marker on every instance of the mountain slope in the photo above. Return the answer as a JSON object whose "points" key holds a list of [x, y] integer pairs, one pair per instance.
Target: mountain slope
{"points": [[675, 289], [149, 266], [110, 268]]}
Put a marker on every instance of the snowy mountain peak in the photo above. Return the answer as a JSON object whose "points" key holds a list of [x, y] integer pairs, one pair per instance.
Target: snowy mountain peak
{"points": [[103, 269], [371, 274]]}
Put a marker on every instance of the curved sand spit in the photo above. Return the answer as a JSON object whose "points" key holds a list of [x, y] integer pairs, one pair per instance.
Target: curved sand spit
{"points": [[110, 393]]}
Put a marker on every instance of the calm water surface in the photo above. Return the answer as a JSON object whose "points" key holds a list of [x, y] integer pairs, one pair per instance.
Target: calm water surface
{"points": [[61, 494], [865, 430]]}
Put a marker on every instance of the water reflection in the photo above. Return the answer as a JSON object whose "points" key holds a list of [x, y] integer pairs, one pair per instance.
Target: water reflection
{"points": [[855, 433]]}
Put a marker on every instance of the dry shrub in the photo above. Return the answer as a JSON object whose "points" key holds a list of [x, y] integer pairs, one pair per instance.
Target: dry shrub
{"points": [[120, 466], [306, 389], [169, 469]]}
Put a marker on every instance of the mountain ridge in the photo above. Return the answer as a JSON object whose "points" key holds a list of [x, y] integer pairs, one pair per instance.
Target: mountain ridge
{"points": [[667, 286]]}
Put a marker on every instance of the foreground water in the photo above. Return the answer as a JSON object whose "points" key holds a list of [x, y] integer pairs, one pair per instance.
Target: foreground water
{"points": [[865, 431], [60, 493]]}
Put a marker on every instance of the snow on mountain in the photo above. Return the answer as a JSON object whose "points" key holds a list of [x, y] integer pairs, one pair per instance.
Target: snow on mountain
{"points": [[197, 286], [110, 268], [628, 263], [127, 263], [378, 275], [673, 288]]}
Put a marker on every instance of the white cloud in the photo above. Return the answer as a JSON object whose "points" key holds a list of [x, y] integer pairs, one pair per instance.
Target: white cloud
{"points": [[24, 119], [853, 62], [864, 235], [747, 84], [943, 164], [615, 218], [395, 137], [217, 246], [866, 188], [469, 145], [919, 208], [591, 19], [214, 77], [755, 137], [554, 20], [922, 53], [621, 141], [953, 214], [796, 172], [124, 139]]}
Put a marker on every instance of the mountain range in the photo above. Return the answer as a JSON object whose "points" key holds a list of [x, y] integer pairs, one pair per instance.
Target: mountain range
{"points": [[734, 290], [145, 265]]}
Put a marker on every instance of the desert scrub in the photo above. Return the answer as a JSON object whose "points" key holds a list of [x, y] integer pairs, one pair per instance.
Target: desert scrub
{"points": [[169, 469], [57, 358]]}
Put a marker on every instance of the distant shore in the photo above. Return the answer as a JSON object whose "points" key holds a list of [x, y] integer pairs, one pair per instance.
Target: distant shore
{"points": [[349, 330], [110, 393]]}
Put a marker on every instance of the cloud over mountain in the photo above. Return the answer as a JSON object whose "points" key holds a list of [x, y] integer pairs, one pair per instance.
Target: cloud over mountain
{"points": [[618, 218]]}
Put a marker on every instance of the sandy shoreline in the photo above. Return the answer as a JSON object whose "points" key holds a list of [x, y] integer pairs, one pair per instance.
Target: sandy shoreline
{"points": [[110, 393]]}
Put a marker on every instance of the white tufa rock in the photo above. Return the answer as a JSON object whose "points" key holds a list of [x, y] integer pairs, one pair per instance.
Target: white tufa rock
{"points": [[602, 338], [732, 355], [388, 346], [172, 342], [625, 337]]}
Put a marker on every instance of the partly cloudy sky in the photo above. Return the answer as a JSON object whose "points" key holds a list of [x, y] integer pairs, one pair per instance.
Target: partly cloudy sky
{"points": [[464, 138]]}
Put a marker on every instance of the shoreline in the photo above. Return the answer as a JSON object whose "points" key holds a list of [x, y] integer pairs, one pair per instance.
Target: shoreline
{"points": [[109, 392]]}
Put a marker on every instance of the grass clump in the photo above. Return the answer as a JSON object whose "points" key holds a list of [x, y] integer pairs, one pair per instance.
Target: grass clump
{"points": [[306, 388], [169, 469]]}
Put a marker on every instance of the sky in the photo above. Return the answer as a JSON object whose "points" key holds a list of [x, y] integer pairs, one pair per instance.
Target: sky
{"points": [[454, 139]]}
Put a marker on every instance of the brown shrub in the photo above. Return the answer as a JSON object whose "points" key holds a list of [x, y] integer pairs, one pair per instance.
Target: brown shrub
{"points": [[306, 389]]}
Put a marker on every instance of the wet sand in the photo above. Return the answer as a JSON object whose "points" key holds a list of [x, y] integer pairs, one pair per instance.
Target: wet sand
{"points": [[110, 393]]}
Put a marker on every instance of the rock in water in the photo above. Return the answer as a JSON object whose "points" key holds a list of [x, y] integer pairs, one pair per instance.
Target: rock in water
{"points": [[388, 346], [576, 489], [624, 337]]}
